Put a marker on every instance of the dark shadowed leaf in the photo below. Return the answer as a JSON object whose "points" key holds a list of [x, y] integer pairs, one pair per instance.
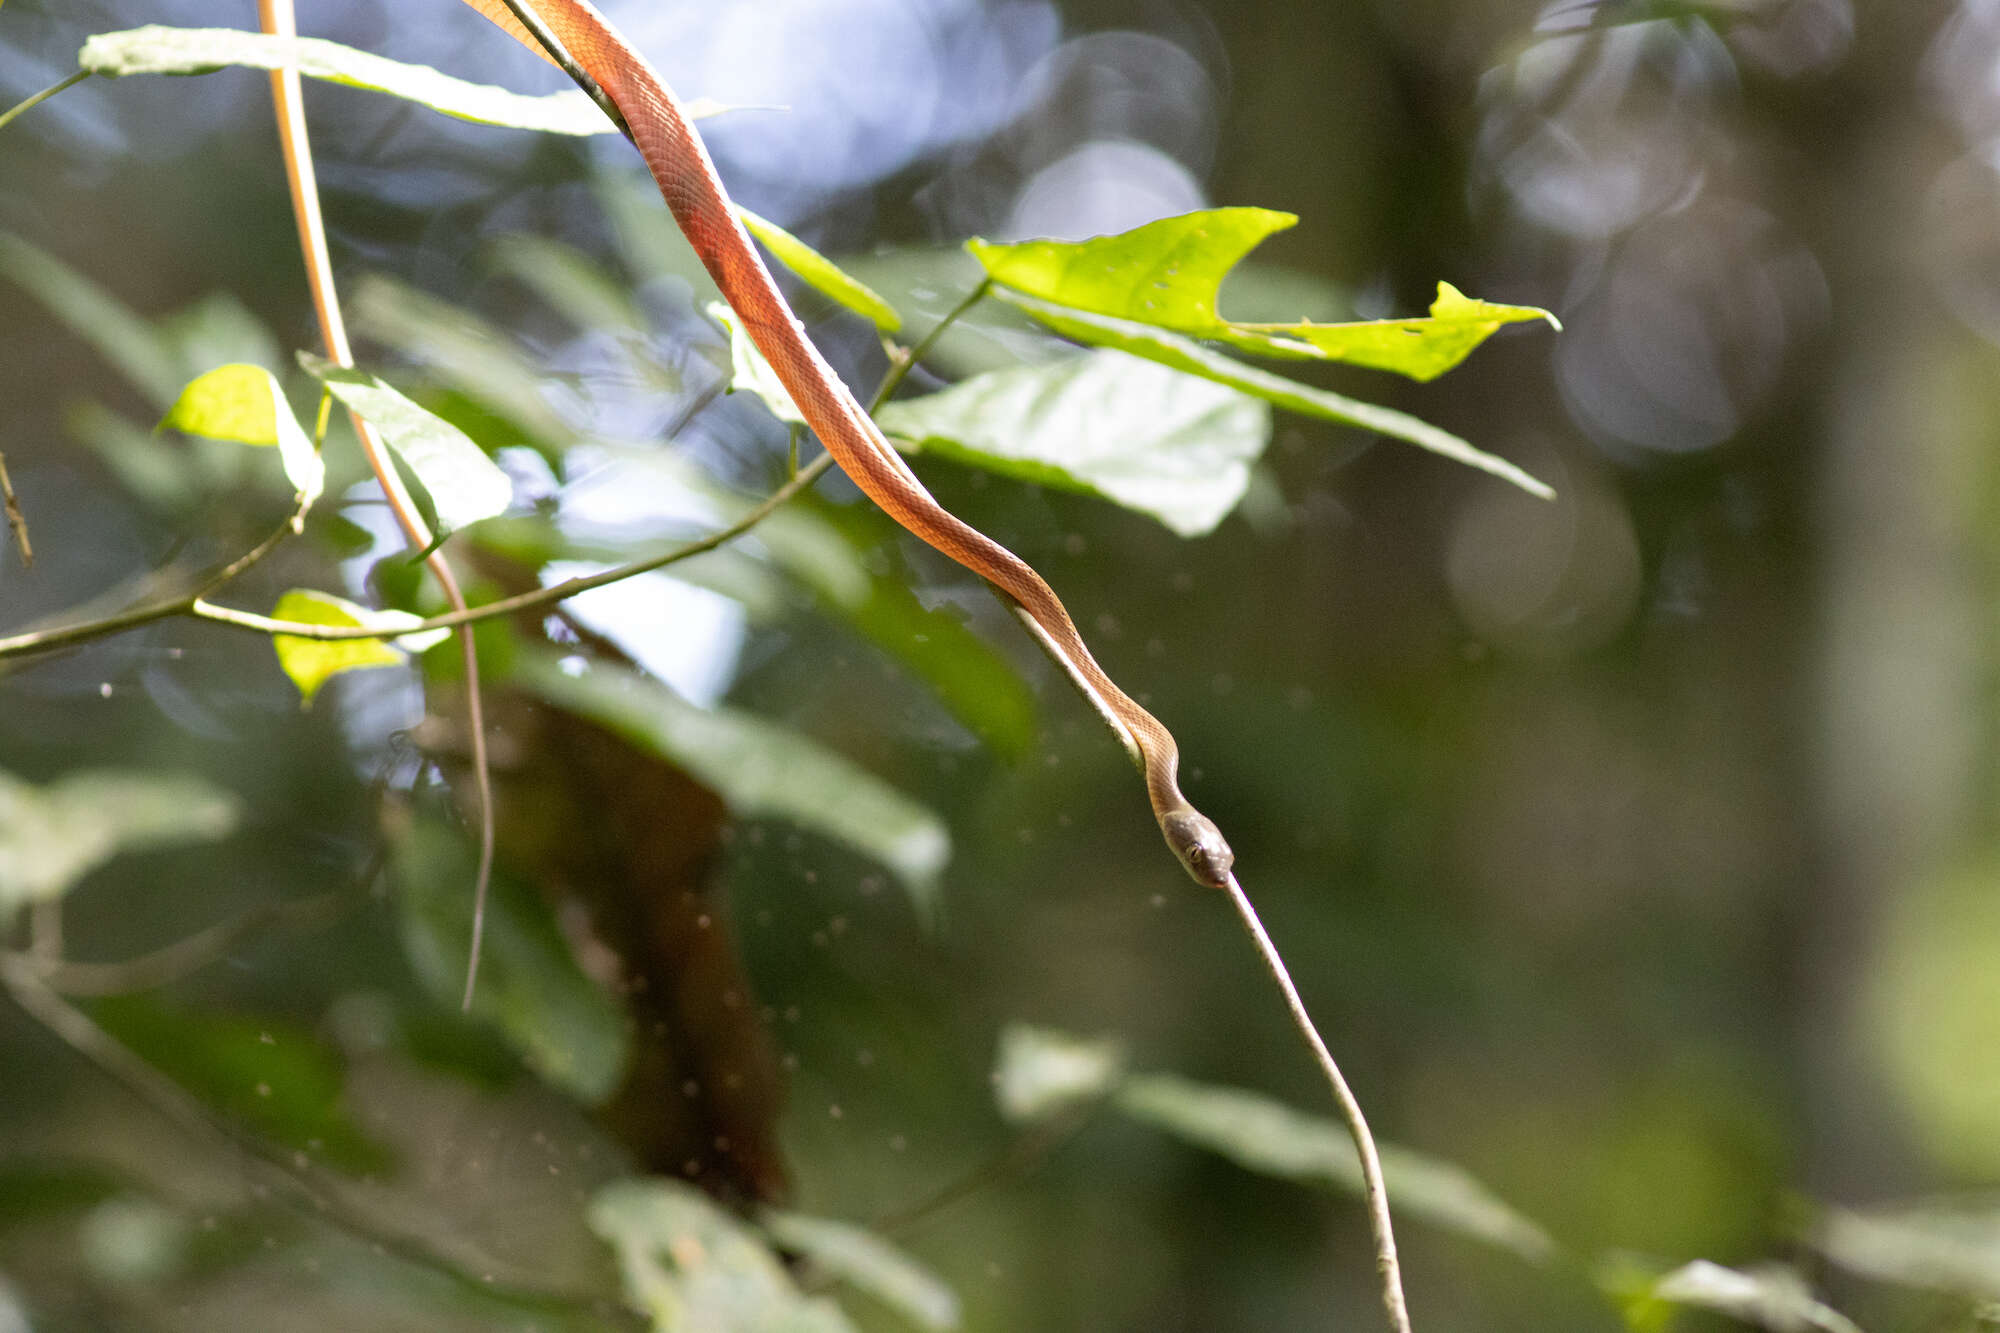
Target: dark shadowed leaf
{"points": [[692, 1268], [1171, 446], [759, 768], [567, 1029], [569, 281], [464, 484], [821, 273], [269, 1075], [133, 346], [52, 836], [1191, 357], [869, 1263]]}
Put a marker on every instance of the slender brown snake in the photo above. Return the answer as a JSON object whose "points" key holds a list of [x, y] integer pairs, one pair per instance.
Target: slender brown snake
{"points": [[688, 180]]}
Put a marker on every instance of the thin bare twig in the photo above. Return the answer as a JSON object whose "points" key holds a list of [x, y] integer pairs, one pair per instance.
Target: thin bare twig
{"points": [[188, 954], [17, 523], [276, 17], [42, 96], [1373, 1190]]}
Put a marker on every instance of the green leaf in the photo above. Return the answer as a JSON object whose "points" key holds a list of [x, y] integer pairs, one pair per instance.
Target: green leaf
{"points": [[567, 1029], [821, 273], [1192, 358], [692, 1268], [1268, 1137], [1165, 273], [464, 484], [756, 766], [869, 1263], [1041, 1071], [274, 1077], [1168, 275], [140, 352], [52, 836], [161, 50], [1950, 1245], [312, 662], [244, 403], [1171, 446], [570, 281], [1774, 1298], [1422, 349], [752, 373]]}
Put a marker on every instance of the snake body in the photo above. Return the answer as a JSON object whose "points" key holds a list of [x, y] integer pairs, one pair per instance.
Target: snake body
{"points": [[693, 190]]}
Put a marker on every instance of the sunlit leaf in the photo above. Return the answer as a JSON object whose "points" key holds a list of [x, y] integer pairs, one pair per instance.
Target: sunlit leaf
{"points": [[312, 662], [52, 836], [692, 1268], [1165, 273], [758, 767], [1041, 1071], [1168, 274], [752, 373], [1185, 355], [1942, 1244], [869, 1263], [821, 273], [1168, 445], [567, 1029], [1266, 1136], [464, 484], [268, 1074], [136, 349], [162, 50], [1774, 1298], [244, 403]]}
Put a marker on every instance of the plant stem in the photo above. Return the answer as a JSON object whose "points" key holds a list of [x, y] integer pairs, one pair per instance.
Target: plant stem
{"points": [[1375, 1193], [17, 523], [42, 96]]}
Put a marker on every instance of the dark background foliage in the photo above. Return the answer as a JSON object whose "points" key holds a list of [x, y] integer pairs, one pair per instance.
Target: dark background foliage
{"points": [[1635, 851]]}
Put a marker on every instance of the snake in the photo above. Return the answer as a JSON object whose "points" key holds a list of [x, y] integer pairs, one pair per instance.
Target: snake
{"points": [[659, 127]]}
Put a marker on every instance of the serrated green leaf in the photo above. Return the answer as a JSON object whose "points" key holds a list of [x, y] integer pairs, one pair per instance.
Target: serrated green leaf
{"points": [[1192, 358], [1774, 1298], [758, 767], [567, 1029], [821, 273], [751, 372], [692, 1268], [1165, 273], [1168, 275], [52, 836], [244, 403], [312, 662], [1040, 1071], [163, 50], [869, 1263], [274, 1077], [133, 346], [1422, 349], [1268, 1137], [464, 484], [1171, 446]]}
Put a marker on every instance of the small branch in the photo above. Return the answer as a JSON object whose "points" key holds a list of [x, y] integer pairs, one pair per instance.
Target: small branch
{"points": [[1377, 1195], [557, 53], [901, 364], [189, 954], [44, 95], [16, 522]]}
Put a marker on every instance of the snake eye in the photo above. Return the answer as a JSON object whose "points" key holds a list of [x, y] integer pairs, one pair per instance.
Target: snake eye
{"points": [[1200, 846]]}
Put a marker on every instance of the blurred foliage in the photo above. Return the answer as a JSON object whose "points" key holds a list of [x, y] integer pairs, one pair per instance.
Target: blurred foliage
{"points": [[1635, 848]]}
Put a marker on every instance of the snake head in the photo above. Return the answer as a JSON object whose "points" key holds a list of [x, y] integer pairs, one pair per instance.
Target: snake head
{"points": [[1200, 846]]}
